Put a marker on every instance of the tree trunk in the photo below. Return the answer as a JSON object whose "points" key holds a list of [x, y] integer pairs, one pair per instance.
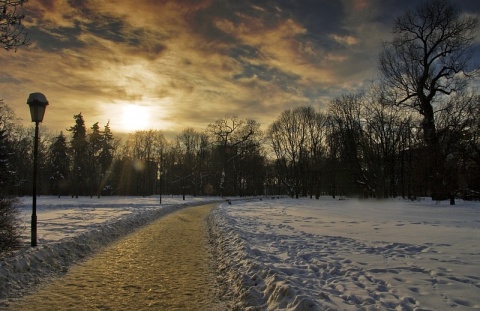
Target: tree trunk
{"points": [[452, 199], [436, 163]]}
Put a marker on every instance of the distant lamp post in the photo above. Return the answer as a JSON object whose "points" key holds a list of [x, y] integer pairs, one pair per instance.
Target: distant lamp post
{"points": [[38, 103], [160, 173]]}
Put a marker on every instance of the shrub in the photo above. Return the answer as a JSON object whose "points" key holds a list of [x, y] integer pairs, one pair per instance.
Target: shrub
{"points": [[9, 223]]}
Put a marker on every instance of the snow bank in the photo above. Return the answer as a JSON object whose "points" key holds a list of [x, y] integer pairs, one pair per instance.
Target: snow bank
{"points": [[246, 273], [30, 266]]}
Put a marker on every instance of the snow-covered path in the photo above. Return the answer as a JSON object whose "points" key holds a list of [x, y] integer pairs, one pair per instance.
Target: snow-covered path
{"points": [[162, 266], [70, 230]]}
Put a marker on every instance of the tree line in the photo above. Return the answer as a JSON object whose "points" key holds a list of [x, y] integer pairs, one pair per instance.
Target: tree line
{"points": [[360, 146], [225, 159]]}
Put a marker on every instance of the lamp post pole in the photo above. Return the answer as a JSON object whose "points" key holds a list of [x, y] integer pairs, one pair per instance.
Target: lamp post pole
{"points": [[159, 180], [160, 171], [37, 103], [34, 192]]}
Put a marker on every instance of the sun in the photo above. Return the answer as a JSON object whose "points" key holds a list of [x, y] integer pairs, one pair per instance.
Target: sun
{"points": [[135, 118]]}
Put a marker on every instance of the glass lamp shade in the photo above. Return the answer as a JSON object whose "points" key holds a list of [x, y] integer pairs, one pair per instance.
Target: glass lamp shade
{"points": [[38, 103]]}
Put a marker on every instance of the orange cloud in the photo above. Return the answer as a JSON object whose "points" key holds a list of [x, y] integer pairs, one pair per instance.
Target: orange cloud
{"points": [[178, 59]]}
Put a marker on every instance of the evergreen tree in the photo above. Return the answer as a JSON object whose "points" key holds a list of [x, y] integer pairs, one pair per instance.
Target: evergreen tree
{"points": [[59, 163], [5, 167], [79, 149], [9, 234], [105, 158], [94, 149]]}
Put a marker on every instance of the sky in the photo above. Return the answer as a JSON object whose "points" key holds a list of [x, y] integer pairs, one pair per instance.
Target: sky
{"points": [[170, 65]]}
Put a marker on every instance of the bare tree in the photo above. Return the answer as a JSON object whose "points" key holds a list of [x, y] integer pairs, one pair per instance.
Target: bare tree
{"points": [[348, 129], [457, 126], [316, 148], [474, 141], [287, 136], [427, 60], [194, 148], [145, 147], [298, 138], [230, 137], [472, 149], [385, 127], [12, 33]]}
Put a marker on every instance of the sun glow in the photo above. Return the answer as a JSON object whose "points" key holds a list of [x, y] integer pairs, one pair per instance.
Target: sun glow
{"points": [[135, 117], [140, 115]]}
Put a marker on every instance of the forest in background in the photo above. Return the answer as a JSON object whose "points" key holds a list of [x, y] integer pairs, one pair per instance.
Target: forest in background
{"points": [[359, 147]]}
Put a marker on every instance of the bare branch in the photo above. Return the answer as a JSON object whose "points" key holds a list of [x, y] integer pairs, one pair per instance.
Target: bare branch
{"points": [[12, 32]]}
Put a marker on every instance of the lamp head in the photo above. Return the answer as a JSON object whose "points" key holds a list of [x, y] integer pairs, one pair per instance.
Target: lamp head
{"points": [[38, 103]]}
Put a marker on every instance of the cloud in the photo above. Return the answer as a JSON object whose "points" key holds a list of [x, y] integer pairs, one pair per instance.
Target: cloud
{"points": [[347, 40], [192, 62], [51, 14], [176, 57]]}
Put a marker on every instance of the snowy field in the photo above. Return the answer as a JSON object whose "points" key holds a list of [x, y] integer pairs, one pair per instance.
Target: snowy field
{"points": [[64, 217], [350, 254], [285, 254]]}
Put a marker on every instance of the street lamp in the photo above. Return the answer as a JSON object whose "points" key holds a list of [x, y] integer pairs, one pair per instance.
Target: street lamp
{"points": [[38, 103]]}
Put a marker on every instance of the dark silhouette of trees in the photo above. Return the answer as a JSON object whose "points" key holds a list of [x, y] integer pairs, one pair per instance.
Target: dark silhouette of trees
{"points": [[457, 126], [233, 139], [363, 146], [105, 160], [316, 152], [59, 163], [471, 151], [7, 148], [21, 154], [347, 135], [385, 128], [6, 169], [9, 229], [298, 138], [94, 139], [427, 60], [193, 168], [79, 147], [286, 136], [137, 164]]}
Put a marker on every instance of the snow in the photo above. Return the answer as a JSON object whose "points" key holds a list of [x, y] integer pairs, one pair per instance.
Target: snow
{"points": [[327, 254], [63, 217], [284, 254], [71, 229]]}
